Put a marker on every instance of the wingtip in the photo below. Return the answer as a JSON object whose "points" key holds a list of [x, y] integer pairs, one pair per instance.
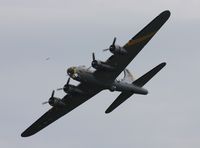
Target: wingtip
{"points": [[23, 135], [107, 112], [167, 12], [26, 134], [163, 64]]}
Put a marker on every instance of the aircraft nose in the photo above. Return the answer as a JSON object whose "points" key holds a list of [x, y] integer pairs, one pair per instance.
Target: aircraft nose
{"points": [[70, 71]]}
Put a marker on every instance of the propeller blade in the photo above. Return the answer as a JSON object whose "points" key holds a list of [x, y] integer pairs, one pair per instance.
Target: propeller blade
{"points": [[105, 49], [58, 89], [114, 41], [52, 93], [68, 81], [43, 103], [112, 45], [93, 56]]}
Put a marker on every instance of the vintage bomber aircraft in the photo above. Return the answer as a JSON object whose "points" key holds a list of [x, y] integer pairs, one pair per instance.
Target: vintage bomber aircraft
{"points": [[103, 77]]}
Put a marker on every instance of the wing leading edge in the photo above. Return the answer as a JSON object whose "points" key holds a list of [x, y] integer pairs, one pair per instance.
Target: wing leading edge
{"points": [[133, 47], [139, 82], [71, 101]]}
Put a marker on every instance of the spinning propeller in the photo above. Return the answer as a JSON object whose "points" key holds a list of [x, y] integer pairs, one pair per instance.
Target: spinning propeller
{"points": [[94, 61], [93, 56], [112, 47], [66, 87], [50, 99]]}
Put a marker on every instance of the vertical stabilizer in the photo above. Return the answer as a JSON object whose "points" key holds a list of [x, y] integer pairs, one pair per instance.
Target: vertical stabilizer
{"points": [[128, 77]]}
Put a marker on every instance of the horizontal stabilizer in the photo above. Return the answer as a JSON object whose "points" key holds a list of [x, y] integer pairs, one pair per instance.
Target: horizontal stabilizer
{"points": [[146, 77], [139, 82], [120, 99]]}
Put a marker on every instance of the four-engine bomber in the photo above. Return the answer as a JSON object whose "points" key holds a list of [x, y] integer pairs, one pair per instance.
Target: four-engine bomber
{"points": [[103, 76]]}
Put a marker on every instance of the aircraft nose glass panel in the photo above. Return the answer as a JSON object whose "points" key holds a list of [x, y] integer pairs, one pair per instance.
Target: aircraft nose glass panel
{"points": [[72, 72]]}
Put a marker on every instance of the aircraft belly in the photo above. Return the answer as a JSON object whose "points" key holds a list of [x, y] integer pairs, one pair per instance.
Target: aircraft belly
{"points": [[91, 79]]}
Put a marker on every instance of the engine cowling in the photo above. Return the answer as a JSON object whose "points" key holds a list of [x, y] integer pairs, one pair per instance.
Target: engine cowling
{"points": [[116, 49], [71, 89], [56, 102], [99, 65]]}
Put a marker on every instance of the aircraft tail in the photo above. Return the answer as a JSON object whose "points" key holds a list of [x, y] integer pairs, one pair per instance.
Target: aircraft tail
{"points": [[139, 82]]}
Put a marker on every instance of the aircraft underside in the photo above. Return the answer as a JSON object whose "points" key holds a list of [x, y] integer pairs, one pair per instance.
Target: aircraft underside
{"points": [[103, 77]]}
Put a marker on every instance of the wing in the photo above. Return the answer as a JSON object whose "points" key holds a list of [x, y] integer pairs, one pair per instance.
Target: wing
{"points": [[72, 101], [133, 47]]}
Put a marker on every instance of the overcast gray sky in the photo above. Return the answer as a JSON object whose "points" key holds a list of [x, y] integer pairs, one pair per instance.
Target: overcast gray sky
{"points": [[68, 32]]}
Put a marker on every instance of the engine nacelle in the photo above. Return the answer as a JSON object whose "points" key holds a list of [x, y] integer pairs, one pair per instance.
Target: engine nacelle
{"points": [[56, 102], [71, 89], [116, 49], [113, 88], [99, 65]]}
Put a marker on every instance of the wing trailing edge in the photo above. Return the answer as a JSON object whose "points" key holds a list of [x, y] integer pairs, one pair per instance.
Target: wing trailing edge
{"points": [[139, 82]]}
